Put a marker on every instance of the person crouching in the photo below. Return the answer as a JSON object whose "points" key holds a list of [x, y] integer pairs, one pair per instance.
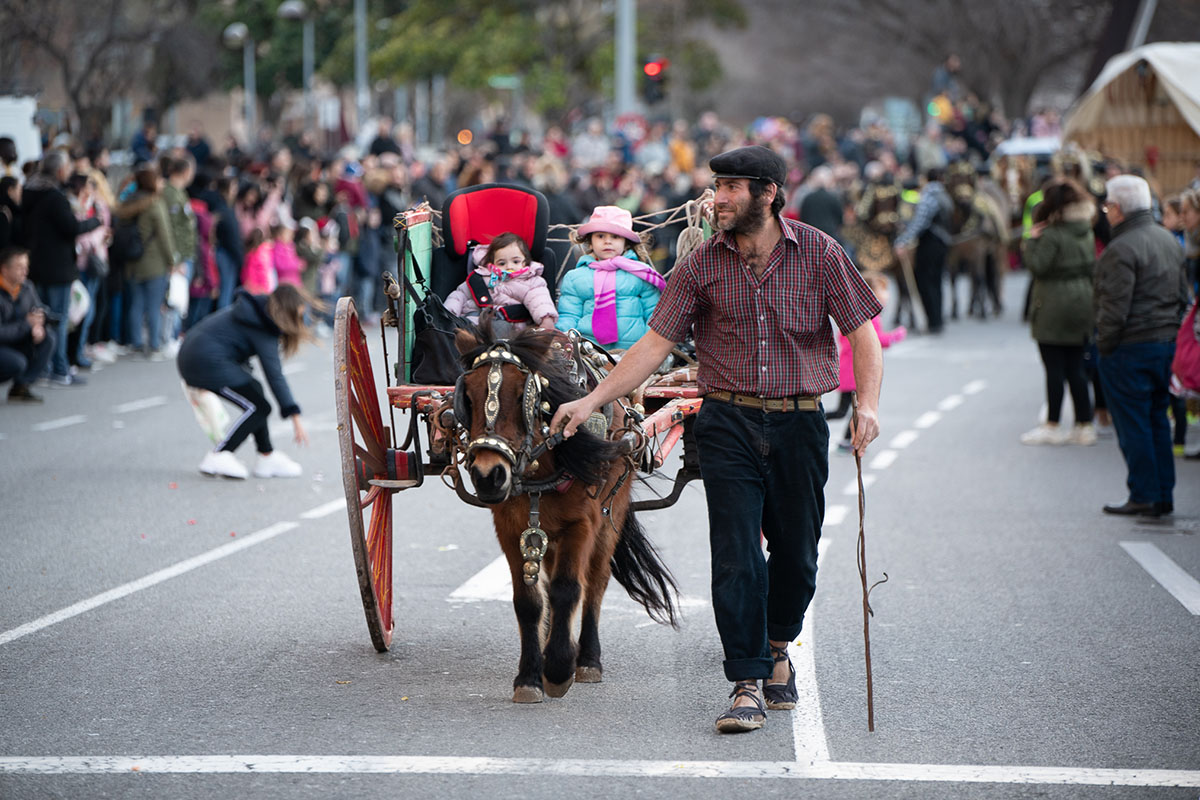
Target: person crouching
{"points": [[215, 357]]}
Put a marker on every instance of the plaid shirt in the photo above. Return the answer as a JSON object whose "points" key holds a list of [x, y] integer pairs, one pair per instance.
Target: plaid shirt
{"points": [[767, 336]]}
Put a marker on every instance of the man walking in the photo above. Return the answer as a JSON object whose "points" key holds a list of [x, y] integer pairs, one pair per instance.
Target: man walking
{"points": [[757, 297], [1140, 295], [929, 230]]}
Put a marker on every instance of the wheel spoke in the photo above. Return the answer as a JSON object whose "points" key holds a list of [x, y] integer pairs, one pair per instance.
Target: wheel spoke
{"points": [[373, 462], [379, 547]]}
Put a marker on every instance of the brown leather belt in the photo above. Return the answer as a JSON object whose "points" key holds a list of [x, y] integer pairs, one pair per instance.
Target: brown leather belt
{"points": [[802, 402]]}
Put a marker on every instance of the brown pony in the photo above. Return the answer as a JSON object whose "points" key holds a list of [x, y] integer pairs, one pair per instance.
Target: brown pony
{"points": [[583, 530]]}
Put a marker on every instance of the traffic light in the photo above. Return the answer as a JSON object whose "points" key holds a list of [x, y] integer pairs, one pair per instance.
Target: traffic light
{"points": [[654, 79]]}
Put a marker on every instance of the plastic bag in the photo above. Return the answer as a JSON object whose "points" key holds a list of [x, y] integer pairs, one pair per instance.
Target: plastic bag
{"points": [[80, 304], [209, 410], [178, 292]]}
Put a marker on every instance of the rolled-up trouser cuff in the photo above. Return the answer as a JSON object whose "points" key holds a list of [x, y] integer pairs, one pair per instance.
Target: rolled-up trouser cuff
{"points": [[745, 669], [783, 633]]}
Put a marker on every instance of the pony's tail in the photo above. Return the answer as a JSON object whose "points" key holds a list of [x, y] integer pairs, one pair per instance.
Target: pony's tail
{"points": [[636, 566]]}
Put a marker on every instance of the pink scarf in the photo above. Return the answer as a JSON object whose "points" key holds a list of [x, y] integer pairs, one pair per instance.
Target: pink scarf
{"points": [[604, 314]]}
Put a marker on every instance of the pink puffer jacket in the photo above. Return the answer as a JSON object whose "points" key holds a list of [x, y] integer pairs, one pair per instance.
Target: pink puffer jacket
{"points": [[529, 290]]}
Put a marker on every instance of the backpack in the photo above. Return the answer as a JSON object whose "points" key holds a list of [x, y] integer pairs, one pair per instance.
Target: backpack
{"points": [[127, 245]]}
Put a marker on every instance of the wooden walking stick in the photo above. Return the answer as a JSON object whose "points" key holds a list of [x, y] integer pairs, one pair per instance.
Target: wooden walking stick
{"points": [[868, 612]]}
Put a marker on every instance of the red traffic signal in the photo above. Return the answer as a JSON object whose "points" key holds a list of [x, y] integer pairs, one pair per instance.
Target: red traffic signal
{"points": [[654, 69]]}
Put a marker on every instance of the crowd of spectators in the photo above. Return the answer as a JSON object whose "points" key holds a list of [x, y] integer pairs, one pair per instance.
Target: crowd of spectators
{"points": [[173, 238]]}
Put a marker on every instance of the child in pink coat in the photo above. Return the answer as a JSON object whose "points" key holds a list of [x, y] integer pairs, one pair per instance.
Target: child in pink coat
{"points": [[258, 273], [289, 267], [508, 281], [879, 284]]}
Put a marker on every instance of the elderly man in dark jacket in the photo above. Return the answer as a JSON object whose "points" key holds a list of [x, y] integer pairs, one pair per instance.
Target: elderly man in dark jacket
{"points": [[1140, 294], [49, 229], [25, 343]]}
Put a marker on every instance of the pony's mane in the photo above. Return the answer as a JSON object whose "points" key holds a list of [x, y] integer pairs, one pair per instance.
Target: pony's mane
{"points": [[585, 456]]}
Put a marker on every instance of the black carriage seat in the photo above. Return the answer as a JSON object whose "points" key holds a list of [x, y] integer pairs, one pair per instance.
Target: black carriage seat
{"points": [[481, 213]]}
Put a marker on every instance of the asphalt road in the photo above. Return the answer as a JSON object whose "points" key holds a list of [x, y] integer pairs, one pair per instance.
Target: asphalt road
{"points": [[166, 634]]}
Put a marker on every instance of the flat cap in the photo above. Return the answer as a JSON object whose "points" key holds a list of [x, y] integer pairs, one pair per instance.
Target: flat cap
{"points": [[754, 162]]}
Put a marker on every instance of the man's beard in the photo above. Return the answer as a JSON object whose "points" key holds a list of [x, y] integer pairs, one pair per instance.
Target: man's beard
{"points": [[748, 220]]}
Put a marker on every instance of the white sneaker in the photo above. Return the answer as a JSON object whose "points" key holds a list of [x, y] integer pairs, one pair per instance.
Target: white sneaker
{"points": [[225, 464], [276, 465], [1045, 433], [1082, 434], [102, 354]]}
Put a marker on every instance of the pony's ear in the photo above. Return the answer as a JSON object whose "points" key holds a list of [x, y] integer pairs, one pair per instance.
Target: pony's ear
{"points": [[467, 339]]}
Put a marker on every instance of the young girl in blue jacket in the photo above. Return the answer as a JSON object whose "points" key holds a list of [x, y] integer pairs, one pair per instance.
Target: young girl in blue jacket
{"points": [[613, 290]]}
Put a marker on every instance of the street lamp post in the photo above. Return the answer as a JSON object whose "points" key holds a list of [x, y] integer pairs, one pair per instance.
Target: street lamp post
{"points": [[238, 35], [296, 10]]}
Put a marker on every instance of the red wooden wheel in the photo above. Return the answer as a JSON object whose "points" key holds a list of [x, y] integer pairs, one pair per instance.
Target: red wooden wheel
{"points": [[364, 441]]}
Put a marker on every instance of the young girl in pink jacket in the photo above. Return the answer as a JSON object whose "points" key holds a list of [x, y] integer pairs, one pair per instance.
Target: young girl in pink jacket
{"points": [[258, 273], [879, 284], [508, 281], [288, 265]]}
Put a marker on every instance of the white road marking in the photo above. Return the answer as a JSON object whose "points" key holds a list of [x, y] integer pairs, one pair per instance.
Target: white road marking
{"points": [[834, 516], [950, 403], [139, 405], [61, 422], [484, 765], [808, 725], [974, 387], [493, 582], [150, 580], [883, 460], [903, 439], [852, 487], [927, 420], [325, 509], [1182, 586]]}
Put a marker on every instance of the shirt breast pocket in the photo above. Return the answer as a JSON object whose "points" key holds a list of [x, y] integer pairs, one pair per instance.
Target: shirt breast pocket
{"points": [[798, 312]]}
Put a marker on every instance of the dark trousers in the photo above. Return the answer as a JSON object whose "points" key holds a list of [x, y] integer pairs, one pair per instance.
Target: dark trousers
{"points": [[763, 472], [24, 362], [1136, 379], [929, 270], [1064, 363], [254, 410]]}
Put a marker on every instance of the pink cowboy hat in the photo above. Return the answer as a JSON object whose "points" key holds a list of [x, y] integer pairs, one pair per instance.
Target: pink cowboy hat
{"points": [[610, 219]]}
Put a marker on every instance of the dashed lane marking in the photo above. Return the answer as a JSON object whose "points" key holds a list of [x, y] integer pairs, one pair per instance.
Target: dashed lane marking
{"points": [[851, 488], [592, 768], [927, 420], [834, 515], [903, 439], [950, 403], [152, 579], [808, 726], [61, 422], [1182, 586], [883, 459], [140, 405], [325, 509], [975, 387]]}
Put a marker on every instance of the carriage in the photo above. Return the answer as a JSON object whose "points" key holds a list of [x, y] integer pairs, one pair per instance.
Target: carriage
{"points": [[381, 458]]}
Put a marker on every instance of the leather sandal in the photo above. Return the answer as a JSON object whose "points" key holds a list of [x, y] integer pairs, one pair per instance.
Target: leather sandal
{"points": [[743, 718], [781, 696]]}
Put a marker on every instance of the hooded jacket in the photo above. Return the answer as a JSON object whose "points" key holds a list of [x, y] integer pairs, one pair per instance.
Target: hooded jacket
{"points": [[1140, 286], [1061, 261], [530, 290], [216, 352], [48, 229]]}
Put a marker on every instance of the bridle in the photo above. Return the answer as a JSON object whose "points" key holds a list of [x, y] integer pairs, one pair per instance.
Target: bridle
{"points": [[522, 455]]}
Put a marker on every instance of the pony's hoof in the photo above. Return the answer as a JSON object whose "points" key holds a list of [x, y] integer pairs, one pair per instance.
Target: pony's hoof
{"points": [[588, 674], [557, 689], [528, 694]]}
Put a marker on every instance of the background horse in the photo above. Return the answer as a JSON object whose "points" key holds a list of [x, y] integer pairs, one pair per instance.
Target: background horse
{"points": [[580, 490]]}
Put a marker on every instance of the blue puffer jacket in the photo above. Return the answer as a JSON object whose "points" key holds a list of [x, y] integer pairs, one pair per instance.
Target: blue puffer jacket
{"points": [[216, 353], [636, 300]]}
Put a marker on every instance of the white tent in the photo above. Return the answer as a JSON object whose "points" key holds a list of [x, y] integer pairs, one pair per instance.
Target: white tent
{"points": [[1144, 109]]}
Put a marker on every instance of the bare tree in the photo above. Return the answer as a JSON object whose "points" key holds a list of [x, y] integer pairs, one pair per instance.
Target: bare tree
{"points": [[101, 49], [1007, 48]]}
